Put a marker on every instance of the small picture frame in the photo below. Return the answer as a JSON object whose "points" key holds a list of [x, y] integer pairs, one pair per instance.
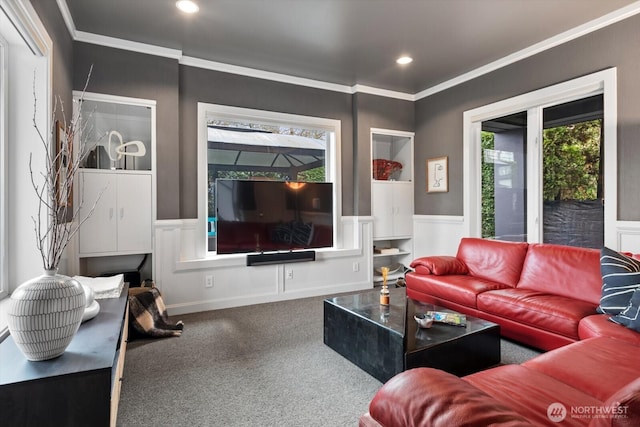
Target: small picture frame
{"points": [[438, 175]]}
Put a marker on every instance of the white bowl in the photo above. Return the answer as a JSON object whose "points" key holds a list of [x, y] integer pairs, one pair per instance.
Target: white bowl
{"points": [[424, 320]]}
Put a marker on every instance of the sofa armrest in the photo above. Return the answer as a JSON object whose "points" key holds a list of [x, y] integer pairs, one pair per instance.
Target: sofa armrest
{"points": [[430, 397], [439, 265]]}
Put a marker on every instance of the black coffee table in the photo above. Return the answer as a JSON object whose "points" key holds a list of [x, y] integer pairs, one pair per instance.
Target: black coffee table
{"points": [[384, 341]]}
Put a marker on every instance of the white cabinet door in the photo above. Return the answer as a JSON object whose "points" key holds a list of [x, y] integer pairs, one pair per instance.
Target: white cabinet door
{"points": [[403, 209], [98, 232], [382, 209], [121, 221], [134, 213], [392, 209]]}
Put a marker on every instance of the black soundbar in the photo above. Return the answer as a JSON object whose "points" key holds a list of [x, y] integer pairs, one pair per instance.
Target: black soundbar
{"points": [[280, 257]]}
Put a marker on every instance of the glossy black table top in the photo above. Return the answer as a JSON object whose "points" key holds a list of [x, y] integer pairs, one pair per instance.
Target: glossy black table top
{"points": [[398, 317]]}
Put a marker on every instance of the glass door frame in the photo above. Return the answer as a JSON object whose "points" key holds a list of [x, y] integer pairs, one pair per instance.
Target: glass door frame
{"points": [[602, 82]]}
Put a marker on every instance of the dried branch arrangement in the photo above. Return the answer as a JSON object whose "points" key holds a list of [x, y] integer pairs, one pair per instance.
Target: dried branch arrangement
{"points": [[57, 221]]}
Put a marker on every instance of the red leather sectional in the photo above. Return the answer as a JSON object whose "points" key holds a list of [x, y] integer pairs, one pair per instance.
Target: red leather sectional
{"points": [[542, 295], [592, 383]]}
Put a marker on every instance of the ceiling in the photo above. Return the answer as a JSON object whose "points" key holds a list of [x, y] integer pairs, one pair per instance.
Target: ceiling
{"points": [[345, 42]]}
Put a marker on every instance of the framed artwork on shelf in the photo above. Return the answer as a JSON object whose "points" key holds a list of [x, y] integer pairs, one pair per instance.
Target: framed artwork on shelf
{"points": [[64, 174], [438, 175]]}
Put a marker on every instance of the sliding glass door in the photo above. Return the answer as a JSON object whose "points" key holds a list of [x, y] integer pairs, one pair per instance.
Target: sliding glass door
{"points": [[541, 174]]}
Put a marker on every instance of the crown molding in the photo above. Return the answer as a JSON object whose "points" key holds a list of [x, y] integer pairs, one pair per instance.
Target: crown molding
{"points": [[260, 74], [579, 31], [572, 34], [66, 16], [82, 36]]}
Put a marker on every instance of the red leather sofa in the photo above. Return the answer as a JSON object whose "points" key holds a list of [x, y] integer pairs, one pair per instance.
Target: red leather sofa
{"points": [[542, 295], [595, 382]]}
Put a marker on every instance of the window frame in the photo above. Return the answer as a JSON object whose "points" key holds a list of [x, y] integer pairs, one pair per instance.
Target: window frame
{"points": [[224, 112], [602, 82], [4, 152]]}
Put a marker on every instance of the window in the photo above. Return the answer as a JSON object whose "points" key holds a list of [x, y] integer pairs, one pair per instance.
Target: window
{"points": [[541, 153], [237, 143]]}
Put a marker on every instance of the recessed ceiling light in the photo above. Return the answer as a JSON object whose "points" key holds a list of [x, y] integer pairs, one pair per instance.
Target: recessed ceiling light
{"points": [[403, 60], [187, 6]]}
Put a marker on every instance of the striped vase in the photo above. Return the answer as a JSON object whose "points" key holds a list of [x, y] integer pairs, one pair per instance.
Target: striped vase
{"points": [[44, 315]]}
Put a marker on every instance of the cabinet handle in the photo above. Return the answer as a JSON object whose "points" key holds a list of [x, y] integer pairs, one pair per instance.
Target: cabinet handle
{"points": [[110, 213], [121, 213]]}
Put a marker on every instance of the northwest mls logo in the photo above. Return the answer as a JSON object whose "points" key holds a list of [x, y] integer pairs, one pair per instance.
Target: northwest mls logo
{"points": [[556, 412]]}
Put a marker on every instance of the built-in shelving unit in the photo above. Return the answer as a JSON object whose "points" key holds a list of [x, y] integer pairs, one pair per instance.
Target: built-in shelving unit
{"points": [[392, 200], [116, 183]]}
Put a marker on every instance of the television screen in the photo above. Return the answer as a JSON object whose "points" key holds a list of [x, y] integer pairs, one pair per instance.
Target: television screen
{"points": [[264, 216]]}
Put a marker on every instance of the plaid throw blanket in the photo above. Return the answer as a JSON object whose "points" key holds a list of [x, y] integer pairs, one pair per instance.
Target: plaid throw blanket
{"points": [[148, 315]]}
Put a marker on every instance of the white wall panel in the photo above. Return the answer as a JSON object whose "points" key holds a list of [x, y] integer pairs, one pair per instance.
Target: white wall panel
{"points": [[181, 277], [436, 234]]}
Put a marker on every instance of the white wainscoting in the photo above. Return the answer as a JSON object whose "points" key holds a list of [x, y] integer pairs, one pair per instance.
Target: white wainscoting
{"points": [[628, 236], [181, 277], [440, 235], [436, 234]]}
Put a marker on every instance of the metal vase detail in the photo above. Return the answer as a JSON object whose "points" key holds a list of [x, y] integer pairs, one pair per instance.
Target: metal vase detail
{"points": [[44, 315]]}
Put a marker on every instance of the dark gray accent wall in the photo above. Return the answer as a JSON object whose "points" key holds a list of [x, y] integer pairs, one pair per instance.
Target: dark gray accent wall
{"points": [[125, 73], [62, 64], [372, 111], [201, 85], [439, 117]]}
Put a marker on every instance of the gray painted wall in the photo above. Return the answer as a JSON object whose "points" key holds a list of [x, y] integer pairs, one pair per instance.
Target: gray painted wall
{"points": [[439, 117], [125, 73], [371, 111]]}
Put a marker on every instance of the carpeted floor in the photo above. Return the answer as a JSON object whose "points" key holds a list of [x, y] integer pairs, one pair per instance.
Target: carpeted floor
{"points": [[262, 365]]}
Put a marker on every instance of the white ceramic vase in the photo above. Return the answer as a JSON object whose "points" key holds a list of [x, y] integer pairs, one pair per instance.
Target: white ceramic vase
{"points": [[44, 315]]}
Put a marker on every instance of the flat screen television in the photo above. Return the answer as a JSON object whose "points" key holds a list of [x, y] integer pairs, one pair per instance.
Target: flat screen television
{"points": [[266, 216]]}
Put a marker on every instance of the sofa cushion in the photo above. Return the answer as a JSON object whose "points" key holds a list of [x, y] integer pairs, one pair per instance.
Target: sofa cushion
{"points": [[530, 393], [461, 289], [627, 399], [562, 270], [598, 325], [620, 278], [430, 397], [493, 260], [439, 265], [554, 313], [583, 363], [630, 317]]}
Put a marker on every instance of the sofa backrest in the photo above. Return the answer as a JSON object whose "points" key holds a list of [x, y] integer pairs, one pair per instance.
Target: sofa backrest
{"points": [[563, 270], [494, 260]]}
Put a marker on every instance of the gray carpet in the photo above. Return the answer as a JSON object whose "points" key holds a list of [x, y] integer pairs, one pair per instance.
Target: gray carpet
{"points": [[261, 365]]}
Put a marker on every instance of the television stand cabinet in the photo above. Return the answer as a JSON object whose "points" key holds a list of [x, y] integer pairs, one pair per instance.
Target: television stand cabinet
{"points": [[79, 388]]}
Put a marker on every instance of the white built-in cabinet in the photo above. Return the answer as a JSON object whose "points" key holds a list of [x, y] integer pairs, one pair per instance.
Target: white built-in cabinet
{"points": [[115, 186], [392, 202], [121, 220]]}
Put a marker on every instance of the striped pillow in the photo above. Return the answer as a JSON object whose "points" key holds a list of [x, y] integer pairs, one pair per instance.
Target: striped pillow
{"points": [[620, 278], [630, 317]]}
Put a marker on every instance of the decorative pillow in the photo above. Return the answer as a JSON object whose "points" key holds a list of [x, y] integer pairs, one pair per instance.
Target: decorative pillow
{"points": [[620, 278], [630, 317], [439, 265]]}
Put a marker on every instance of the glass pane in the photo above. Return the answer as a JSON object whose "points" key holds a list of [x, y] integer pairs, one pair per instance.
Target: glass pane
{"points": [[239, 150], [573, 206], [504, 189]]}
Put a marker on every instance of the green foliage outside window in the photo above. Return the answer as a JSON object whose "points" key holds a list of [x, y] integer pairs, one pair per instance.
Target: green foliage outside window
{"points": [[572, 162]]}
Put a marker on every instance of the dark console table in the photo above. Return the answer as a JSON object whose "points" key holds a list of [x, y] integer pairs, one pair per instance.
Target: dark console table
{"points": [[386, 340], [79, 388]]}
